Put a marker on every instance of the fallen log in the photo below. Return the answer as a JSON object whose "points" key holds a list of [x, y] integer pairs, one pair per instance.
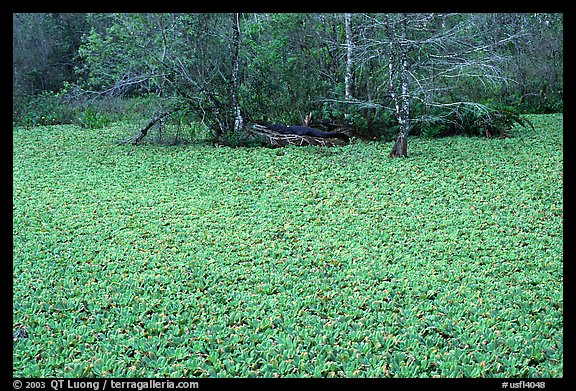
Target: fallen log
{"points": [[274, 138], [306, 131]]}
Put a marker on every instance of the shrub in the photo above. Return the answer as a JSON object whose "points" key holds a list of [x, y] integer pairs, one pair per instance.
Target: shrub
{"points": [[47, 108], [241, 138], [489, 120], [93, 119], [368, 121]]}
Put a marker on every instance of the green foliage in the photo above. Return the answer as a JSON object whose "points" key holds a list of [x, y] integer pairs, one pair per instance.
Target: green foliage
{"points": [[240, 138], [195, 261], [60, 108], [541, 102], [472, 119], [115, 48], [46, 108], [45, 47], [431, 130], [368, 122], [93, 119], [285, 76]]}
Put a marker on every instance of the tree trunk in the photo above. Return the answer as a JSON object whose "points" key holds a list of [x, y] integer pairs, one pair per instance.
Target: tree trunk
{"points": [[137, 138], [349, 51], [400, 148], [238, 120]]}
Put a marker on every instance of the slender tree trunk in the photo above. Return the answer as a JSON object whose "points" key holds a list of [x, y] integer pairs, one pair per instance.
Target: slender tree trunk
{"points": [[348, 93], [400, 148], [137, 138], [238, 120], [392, 47]]}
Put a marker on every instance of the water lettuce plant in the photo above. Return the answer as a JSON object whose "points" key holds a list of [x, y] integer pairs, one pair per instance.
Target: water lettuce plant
{"points": [[195, 261]]}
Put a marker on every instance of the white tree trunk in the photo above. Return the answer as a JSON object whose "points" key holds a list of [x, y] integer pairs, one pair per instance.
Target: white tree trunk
{"points": [[348, 93], [238, 120], [405, 110], [402, 105]]}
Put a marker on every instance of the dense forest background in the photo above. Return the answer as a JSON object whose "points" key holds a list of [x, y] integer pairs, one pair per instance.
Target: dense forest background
{"points": [[431, 74]]}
